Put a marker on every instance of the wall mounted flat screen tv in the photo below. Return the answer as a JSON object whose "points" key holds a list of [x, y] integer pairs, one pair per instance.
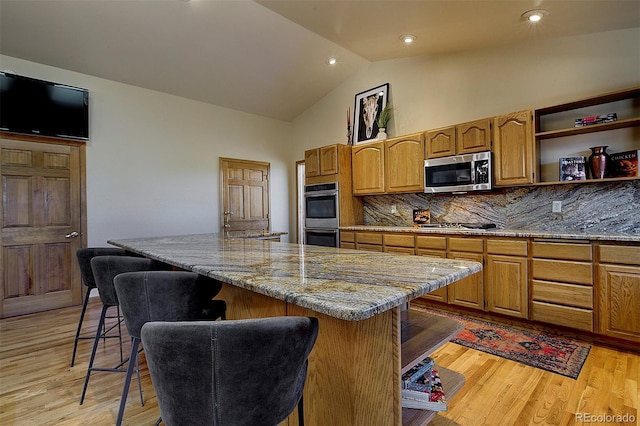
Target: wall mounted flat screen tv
{"points": [[38, 107]]}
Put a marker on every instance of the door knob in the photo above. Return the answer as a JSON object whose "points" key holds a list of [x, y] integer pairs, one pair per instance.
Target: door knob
{"points": [[74, 234]]}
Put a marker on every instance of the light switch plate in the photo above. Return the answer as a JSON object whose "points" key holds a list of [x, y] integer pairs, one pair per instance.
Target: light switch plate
{"points": [[556, 207]]}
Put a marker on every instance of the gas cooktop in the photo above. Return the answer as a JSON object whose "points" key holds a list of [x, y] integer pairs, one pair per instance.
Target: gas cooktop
{"points": [[459, 225]]}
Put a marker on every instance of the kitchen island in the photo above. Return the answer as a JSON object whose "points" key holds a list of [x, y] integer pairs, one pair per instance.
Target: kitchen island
{"points": [[358, 297]]}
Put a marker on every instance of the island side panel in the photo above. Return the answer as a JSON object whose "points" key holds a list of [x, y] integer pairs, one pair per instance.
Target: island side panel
{"points": [[354, 371], [242, 304]]}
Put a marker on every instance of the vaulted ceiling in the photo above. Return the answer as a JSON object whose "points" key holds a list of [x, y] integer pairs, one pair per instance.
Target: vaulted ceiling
{"points": [[269, 57]]}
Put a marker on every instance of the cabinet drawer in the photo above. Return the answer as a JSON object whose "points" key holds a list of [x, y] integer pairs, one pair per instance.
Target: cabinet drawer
{"points": [[566, 251], [474, 245], [563, 271], [369, 238], [398, 240], [347, 237], [567, 316], [563, 294], [399, 250], [628, 255], [507, 247], [432, 253], [429, 242], [369, 247], [345, 245]]}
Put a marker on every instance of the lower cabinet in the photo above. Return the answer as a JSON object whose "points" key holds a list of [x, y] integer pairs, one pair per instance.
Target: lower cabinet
{"points": [[469, 291], [619, 281], [587, 286], [506, 289], [562, 281]]}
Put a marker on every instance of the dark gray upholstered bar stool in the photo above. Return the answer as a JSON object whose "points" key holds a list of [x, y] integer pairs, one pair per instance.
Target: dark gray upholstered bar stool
{"points": [[229, 373], [163, 296], [105, 269], [84, 256]]}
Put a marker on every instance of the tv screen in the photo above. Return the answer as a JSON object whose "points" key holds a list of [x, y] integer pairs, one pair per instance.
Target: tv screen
{"points": [[38, 107]]}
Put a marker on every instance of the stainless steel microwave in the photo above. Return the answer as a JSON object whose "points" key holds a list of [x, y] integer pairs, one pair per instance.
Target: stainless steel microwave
{"points": [[459, 173]]}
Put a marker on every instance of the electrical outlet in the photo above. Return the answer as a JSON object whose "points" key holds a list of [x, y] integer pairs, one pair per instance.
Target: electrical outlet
{"points": [[556, 207], [394, 209]]}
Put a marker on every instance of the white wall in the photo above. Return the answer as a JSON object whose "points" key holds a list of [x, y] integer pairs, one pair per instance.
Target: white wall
{"points": [[152, 158], [434, 91]]}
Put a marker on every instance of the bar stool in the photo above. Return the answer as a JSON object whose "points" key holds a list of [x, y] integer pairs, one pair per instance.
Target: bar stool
{"points": [[105, 268], [235, 372], [163, 296], [84, 256]]}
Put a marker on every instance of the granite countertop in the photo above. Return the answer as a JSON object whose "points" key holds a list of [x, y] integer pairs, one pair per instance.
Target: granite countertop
{"points": [[500, 232], [346, 284], [254, 234]]}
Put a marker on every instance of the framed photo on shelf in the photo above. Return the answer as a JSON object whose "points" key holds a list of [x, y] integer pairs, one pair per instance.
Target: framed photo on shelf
{"points": [[368, 106]]}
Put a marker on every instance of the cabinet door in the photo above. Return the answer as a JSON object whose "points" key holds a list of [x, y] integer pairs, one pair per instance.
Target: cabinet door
{"points": [[439, 295], [513, 149], [312, 162], [507, 290], [368, 168], [441, 142], [404, 168], [619, 301], [328, 160], [473, 137], [468, 291]]}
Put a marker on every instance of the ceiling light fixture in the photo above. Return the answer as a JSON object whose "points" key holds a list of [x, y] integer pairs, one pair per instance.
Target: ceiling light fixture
{"points": [[534, 15], [407, 38], [332, 60]]}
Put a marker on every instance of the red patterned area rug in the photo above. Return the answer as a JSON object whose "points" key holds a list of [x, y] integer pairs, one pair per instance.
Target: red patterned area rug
{"points": [[556, 354]]}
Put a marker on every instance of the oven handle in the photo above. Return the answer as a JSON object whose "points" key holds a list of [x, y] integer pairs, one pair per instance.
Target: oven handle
{"points": [[320, 193], [322, 230]]}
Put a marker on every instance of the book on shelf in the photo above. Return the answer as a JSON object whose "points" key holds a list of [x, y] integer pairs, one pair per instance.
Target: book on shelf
{"points": [[573, 168], [425, 394], [625, 164], [596, 119], [418, 372]]}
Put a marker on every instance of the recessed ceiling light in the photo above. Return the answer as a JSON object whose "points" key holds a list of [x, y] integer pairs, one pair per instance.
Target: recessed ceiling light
{"points": [[534, 15], [407, 38], [332, 60]]}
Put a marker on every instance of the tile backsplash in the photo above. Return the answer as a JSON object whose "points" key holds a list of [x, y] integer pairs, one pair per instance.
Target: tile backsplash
{"points": [[592, 208]]}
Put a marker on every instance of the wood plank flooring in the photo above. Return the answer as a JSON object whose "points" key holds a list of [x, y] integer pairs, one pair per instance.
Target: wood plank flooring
{"points": [[38, 387]]}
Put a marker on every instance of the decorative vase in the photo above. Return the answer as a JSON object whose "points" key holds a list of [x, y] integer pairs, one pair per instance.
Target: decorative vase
{"points": [[382, 134], [598, 162]]}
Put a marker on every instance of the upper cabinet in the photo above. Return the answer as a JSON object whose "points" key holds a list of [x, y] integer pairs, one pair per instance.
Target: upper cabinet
{"points": [[404, 163], [368, 168], [324, 164], [321, 161], [441, 142], [474, 136], [557, 134], [513, 149]]}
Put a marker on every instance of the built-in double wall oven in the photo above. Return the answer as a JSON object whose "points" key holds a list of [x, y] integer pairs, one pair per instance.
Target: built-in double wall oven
{"points": [[322, 214]]}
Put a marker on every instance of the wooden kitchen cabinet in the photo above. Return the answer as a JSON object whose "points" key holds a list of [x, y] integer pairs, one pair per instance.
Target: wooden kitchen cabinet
{"points": [[399, 243], [619, 298], [513, 149], [441, 142], [404, 164], [562, 284], [347, 239], [324, 164], [368, 168], [506, 289], [369, 241], [435, 246], [474, 136], [469, 291]]}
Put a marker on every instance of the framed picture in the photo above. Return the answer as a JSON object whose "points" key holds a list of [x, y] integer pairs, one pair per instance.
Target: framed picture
{"points": [[368, 106]]}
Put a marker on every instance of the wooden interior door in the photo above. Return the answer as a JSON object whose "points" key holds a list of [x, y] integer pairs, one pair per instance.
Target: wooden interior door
{"points": [[245, 195], [41, 226]]}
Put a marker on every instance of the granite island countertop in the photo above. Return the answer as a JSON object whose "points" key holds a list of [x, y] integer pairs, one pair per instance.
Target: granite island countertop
{"points": [[499, 232], [346, 284]]}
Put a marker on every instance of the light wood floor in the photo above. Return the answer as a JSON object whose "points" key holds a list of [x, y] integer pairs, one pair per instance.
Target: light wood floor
{"points": [[38, 387]]}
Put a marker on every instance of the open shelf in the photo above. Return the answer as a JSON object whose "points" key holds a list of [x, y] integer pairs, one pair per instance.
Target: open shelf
{"points": [[620, 124], [421, 334]]}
